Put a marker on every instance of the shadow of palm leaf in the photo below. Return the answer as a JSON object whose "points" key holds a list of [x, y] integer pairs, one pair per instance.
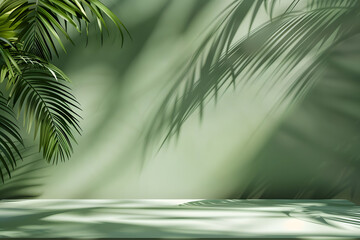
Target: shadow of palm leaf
{"points": [[315, 152], [142, 33], [120, 62], [266, 56]]}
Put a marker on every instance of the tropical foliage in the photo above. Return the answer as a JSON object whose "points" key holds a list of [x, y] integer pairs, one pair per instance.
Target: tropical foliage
{"points": [[31, 33]]}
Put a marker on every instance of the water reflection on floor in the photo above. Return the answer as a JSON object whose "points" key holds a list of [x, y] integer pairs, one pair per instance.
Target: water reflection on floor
{"points": [[179, 219]]}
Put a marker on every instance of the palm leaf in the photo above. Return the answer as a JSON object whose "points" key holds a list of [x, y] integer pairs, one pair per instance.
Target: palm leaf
{"points": [[276, 48], [9, 135], [43, 23], [8, 65], [41, 93], [7, 30], [36, 86]]}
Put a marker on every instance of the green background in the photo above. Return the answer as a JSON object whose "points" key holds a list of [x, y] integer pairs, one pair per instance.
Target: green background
{"points": [[309, 151]]}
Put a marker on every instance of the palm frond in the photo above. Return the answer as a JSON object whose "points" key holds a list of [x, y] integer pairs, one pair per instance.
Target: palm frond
{"points": [[41, 94], [7, 63], [7, 30], [9, 137], [43, 23], [33, 30], [276, 48]]}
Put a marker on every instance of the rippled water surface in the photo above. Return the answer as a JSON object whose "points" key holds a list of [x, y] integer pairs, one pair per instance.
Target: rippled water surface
{"points": [[179, 218]]}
